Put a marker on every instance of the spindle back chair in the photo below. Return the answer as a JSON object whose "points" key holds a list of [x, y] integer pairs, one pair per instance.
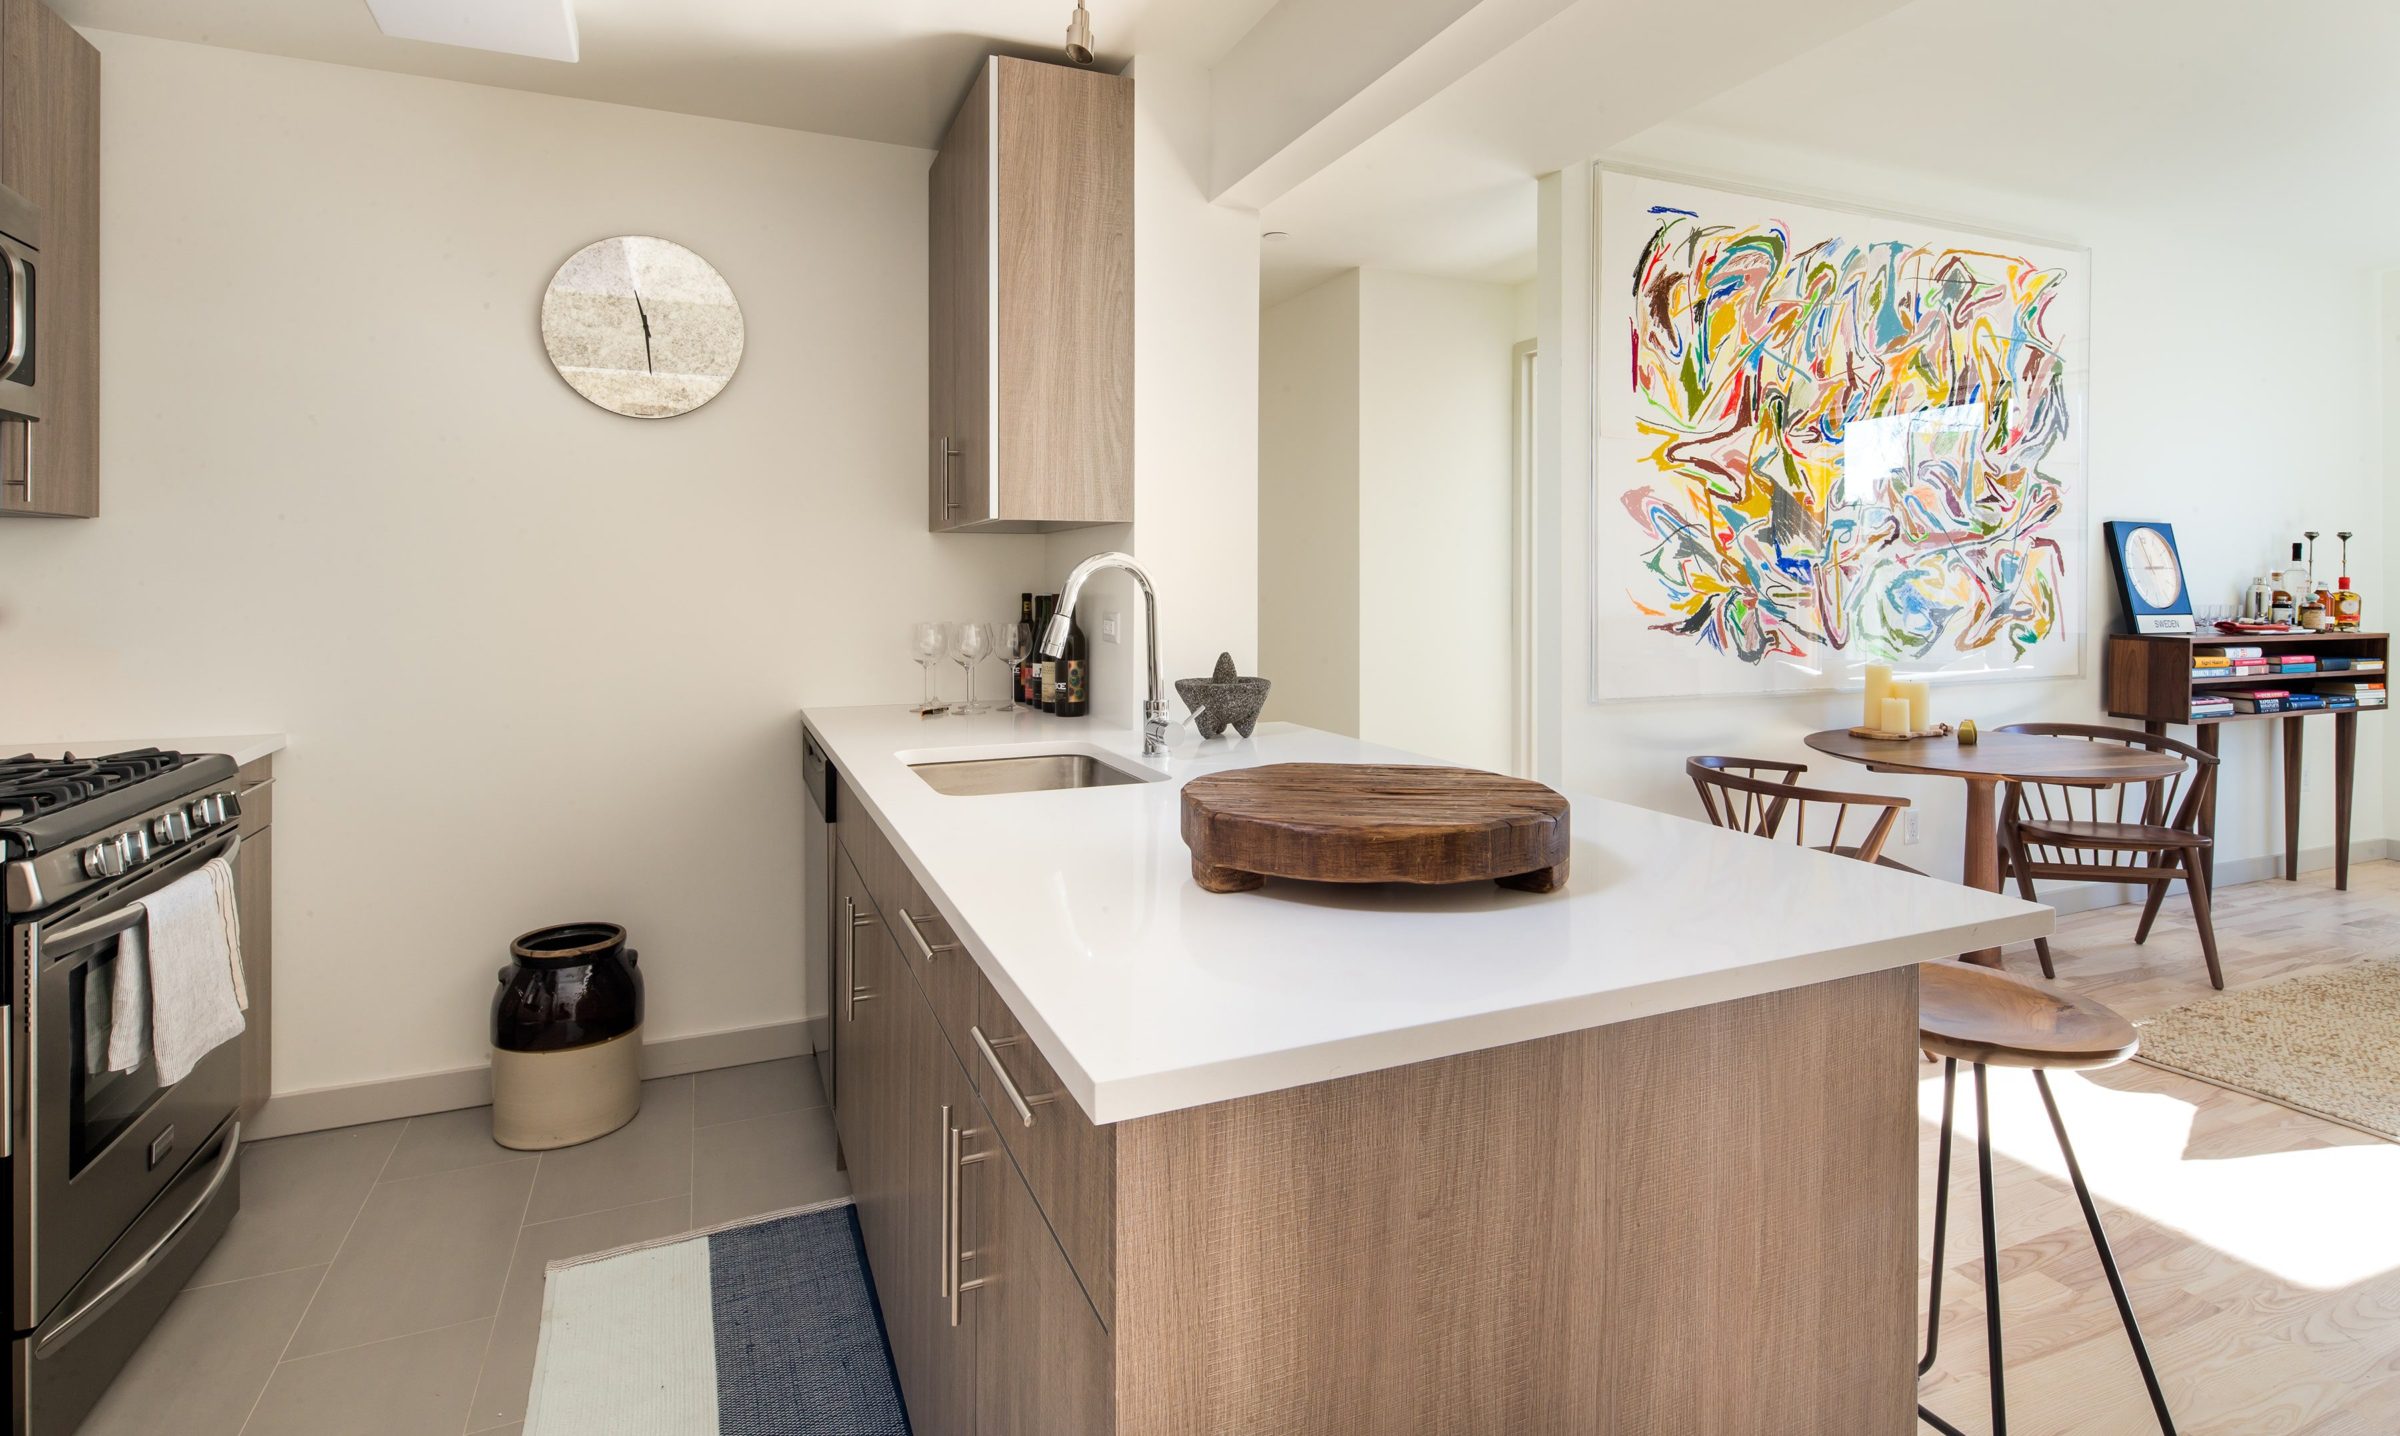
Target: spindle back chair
{"points": [[1757, 795]]}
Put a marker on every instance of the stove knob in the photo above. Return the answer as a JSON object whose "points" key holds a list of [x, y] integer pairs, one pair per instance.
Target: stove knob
{"points": [[202, 812], [135, 845], [179, 827], [102, 861], [162, 830]]}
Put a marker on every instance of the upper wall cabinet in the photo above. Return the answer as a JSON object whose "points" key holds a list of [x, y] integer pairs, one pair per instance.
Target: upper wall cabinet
{"points": [[1031, 289], [50, 159]]}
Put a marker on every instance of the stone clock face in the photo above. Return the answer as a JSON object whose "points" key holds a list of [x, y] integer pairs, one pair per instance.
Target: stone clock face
{"points": [[2150, 563], [642, 327]]}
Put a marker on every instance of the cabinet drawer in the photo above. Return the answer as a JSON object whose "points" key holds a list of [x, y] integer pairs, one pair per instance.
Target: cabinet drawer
{"points": [[1070, 1164], [925, 939], [254, 788]]}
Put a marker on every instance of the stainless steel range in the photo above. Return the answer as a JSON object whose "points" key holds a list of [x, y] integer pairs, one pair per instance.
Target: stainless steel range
{"points": [[119, 1186]]}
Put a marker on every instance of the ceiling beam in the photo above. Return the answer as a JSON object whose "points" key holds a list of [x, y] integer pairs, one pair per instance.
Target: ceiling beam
{"points": [[1315, 78]]}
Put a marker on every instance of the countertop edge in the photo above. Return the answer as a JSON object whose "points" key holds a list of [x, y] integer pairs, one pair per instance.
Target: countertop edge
{"points": [[243, 748]]}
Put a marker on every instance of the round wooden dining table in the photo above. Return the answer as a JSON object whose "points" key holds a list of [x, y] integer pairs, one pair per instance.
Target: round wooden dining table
{"points": [[1983, 766]]}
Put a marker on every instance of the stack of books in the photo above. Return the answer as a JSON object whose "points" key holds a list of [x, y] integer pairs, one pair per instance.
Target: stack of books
{"points": [[2300, 702], [2211, 665], [2211, 705], [2247, 660], [2332, 664], [2339, 702], [2289, 663], [2364, 693], [2257, 700]]}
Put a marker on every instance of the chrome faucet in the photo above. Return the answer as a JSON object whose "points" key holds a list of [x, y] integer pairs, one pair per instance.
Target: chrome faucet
{"points": [[1054, 638]]}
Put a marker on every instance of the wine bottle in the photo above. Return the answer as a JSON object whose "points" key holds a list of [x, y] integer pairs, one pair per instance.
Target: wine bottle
{"points": [[1034, 662], [1046, 669], [1075, 675]]}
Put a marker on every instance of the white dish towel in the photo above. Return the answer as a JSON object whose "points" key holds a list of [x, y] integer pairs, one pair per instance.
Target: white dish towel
{"points": [[183, 963]]}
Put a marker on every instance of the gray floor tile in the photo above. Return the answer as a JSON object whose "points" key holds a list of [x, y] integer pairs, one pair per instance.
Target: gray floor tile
{"points": [[736, 1094], [427, 1252], [298, 1196], [741, 1169], [447, 1142], [508, 1366], [413, 1386], [201, 1369], [648, 1158]]}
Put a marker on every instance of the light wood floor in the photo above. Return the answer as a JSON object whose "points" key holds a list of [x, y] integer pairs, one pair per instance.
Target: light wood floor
{"points": [[2261, 1247]]}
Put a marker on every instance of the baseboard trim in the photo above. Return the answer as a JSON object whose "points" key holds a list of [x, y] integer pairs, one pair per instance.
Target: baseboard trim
{"points": [[2231, 872], [316, 1109]]}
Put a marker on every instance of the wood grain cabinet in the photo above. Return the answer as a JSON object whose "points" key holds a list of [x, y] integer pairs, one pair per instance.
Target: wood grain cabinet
{"points": [[50, 156], [1030, 301]]}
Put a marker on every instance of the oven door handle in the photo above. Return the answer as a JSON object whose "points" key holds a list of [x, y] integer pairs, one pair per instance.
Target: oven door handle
{"points": [[17, 327], [83, 934], [101, 1300]]}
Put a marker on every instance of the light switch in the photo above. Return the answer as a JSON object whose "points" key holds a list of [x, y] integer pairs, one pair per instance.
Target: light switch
{"points": [[1108, 628]]}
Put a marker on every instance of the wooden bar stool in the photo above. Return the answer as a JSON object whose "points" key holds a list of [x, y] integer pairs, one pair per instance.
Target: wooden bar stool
{"points": [[1993, 1019]]}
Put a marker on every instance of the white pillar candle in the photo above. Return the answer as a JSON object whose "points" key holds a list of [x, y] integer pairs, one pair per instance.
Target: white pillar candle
{"points": [[1894, 717], [1879, 687], [1920, 704]]}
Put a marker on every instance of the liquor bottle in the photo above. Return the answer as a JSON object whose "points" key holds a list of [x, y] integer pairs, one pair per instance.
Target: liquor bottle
{"points": [[1075, 675], [1045, 694], [1035, 664], [2344, 606], [1016, 675]]}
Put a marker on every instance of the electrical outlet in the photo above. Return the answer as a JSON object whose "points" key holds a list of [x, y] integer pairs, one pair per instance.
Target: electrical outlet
{"points": [[1908, 828], [1108, 628]]}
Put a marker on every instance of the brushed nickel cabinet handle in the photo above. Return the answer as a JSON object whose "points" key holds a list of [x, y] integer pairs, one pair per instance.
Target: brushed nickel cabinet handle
{"points": [[929, 950], [955, 1160], [851, 994], [1008, 1084], [18, 329], [943, 452]]}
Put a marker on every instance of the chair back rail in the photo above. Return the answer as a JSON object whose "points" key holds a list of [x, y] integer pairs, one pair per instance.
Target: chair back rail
{"points": [[2173, 802], [1757, 795]]}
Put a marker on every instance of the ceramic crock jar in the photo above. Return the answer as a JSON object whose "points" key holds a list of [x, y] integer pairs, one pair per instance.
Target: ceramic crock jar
{"points": [[566, 1037]]}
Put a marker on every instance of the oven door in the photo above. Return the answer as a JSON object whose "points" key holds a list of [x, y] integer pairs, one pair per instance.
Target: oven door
{"points": [[99, 1146], [20, 296]]}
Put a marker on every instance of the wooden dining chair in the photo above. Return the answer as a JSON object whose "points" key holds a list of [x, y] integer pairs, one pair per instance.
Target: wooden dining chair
{"points": [[1756, 795], [2143, 833]]}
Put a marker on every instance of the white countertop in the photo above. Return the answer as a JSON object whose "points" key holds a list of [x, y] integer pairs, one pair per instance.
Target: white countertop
{"points": [[1149, 995], [243, 748]]}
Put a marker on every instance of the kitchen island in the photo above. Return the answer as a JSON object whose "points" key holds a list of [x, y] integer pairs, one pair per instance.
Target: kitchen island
{"points": [[1635, 1156]]}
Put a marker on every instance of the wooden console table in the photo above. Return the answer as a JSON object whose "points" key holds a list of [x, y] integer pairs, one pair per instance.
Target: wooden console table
{"points": [[2150, 679]]}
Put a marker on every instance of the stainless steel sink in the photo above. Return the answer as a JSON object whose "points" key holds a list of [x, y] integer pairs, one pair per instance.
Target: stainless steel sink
{"points": [[1033, 773]]}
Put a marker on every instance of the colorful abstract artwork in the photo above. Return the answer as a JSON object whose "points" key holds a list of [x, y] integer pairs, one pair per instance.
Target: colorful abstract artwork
{"points": [[1830, 439]]}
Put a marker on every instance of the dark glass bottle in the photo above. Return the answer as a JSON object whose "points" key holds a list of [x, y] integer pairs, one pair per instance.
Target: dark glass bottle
{"points": [[1037, 668], [1016, 677], [1075, 675]]}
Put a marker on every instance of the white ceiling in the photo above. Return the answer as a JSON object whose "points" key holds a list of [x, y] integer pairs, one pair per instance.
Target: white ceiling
{"points": [[891, 70], [2280, 118]]}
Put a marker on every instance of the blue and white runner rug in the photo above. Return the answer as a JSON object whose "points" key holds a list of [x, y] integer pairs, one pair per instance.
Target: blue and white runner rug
{"points": [[766, 1328]]}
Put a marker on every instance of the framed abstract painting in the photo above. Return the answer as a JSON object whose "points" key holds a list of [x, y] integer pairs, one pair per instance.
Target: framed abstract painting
{"points": [[1830, 438]]}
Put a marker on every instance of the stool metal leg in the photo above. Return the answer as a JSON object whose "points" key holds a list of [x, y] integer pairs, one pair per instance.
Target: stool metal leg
{"points": [[1991, 1260], [1941, 1214], [2108, 1260]]}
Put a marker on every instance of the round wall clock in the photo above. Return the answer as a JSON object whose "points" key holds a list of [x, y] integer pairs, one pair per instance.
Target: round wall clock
{"points": [[2151, 566], [642, 326]]}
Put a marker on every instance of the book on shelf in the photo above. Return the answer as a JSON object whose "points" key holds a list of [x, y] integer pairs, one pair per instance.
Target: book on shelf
{"points": [[2340, 703], [2301, 702], [2257, 700], [2334, 663], [2212, 660], [2243, 650], [2366, 695], [2212, 708]]}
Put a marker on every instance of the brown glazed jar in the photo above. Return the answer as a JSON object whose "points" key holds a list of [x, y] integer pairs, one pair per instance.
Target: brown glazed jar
{"points": [[566, 1037]]}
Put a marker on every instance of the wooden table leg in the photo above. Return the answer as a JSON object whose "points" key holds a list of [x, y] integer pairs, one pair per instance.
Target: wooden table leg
{"points": [[1983, 853], [2345, 768], [2291, 798], [2208, 810]]}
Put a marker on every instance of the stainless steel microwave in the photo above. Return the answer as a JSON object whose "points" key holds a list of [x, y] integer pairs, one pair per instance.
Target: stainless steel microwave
{"points": [[20, 290]]}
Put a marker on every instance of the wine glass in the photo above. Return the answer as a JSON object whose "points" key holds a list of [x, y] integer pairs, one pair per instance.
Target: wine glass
{"points": [[928, 642], [971, 643], [1016, 645]]}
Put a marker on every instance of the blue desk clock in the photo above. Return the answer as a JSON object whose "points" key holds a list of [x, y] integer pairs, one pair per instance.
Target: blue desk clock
{"points": [[2149, 576]]}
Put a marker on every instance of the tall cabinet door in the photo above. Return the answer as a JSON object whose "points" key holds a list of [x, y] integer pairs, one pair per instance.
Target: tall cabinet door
{"points": [[50, 155], [959, 298], [1042, 1361]]}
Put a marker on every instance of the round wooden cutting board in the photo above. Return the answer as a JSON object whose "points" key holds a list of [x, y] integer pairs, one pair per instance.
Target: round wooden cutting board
{"points": [[1373, 823]]}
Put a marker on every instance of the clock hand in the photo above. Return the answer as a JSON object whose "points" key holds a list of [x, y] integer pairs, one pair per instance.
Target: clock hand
{"points": [[647, 366]]}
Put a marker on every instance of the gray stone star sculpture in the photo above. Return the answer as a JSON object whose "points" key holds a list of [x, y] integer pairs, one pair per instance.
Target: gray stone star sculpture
{"points": [[1223, 699]]}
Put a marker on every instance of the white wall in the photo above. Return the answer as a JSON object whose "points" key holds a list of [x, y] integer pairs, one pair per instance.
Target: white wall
{"points": [[1436, 517], [1308, 504], [1387, 510], [538, 661], [2209, 407], [1195, 415]]}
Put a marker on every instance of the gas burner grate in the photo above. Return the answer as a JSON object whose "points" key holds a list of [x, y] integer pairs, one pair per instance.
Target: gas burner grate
{"points": [[31, 786]]}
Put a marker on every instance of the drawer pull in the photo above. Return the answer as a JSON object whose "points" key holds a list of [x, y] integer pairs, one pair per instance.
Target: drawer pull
{"points": [[928, 950], [1008, 1084], [852, 996], [955, 1159]]}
